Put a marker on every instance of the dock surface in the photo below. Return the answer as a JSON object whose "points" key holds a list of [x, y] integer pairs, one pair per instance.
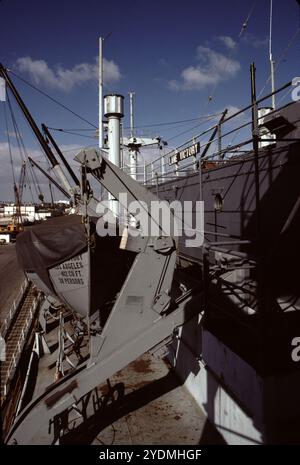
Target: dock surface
{"points": [[11, 278]]}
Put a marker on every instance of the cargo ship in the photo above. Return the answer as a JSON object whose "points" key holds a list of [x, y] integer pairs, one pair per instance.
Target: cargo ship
{"points": [[224, 312]]}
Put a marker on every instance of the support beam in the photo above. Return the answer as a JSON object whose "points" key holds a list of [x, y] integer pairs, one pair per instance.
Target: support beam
{"points": [[60, 154], [66, 194]]}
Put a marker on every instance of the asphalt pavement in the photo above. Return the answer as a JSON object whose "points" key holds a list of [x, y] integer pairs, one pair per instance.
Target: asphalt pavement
{"points": [[11, 278]]}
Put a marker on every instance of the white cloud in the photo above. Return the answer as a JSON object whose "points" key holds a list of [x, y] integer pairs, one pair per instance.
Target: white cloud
{"points": [[173, 85], [66, 79], [71, 149], [254, 41], [227, 41], [241, 118], [6, 178], [12, 134], [213, 68], [232, 109], [163, 62]]}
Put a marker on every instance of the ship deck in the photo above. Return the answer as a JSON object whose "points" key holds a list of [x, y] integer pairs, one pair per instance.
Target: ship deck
{"points": [[156, 409], [151, 406]]}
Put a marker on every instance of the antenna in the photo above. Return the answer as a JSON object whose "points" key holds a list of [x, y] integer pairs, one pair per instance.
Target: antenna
{"points": [[131, 96], [101, 82], [101, 92], [272, 62]]}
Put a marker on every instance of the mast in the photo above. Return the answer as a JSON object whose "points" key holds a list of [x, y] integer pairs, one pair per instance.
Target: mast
{"points": [[131, 98], [133, 148], [272, 62], [51, 194], [101, 92], [134, 143]]}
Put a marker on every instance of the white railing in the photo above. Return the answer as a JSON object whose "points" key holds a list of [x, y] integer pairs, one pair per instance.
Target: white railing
{"points": [[20, 344], [12, 311]]}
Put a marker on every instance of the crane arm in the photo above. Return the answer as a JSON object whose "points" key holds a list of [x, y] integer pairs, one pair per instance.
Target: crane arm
{"points": [[145, 315]]}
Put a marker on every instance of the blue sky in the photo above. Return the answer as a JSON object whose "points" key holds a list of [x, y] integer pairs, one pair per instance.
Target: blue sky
{"points": [[173, 54]]}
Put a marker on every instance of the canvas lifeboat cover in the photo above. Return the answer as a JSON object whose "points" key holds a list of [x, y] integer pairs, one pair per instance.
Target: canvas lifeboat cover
{"points": [[54, 256]]}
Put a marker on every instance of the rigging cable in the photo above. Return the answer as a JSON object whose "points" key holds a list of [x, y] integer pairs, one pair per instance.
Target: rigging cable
{"points": [[175, 122], [191, 129], [190, 140], [73, 133], [244, 26], [281, 58], [165, 123], [22, 146], [70, 129], [9, 145], [52, 99], [290, 43], [23, 151], [285, 95]]}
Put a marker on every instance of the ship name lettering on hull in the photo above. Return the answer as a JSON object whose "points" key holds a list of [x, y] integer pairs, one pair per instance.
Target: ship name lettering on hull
{"points": [[190, 151]]}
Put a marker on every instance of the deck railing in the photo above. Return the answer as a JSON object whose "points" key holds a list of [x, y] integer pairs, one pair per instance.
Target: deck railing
{"points": [[222, 146], [13, 309], [20, 344]]}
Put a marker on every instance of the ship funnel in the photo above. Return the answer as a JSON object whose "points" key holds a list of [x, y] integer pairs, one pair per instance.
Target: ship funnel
{"points": [[114, 111]]}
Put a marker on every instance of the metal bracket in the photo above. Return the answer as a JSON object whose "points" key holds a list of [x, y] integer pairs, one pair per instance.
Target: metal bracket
{"points": [[161, 303]]}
